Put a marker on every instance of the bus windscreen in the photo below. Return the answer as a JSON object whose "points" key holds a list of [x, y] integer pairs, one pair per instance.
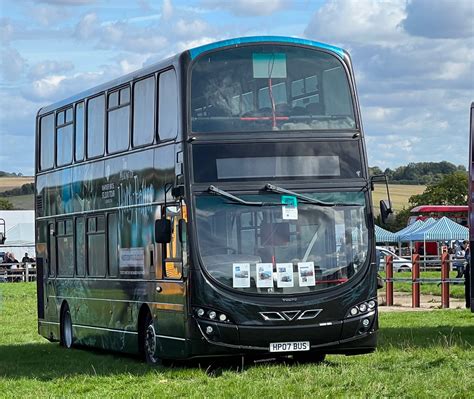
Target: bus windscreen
{"points": [[270, 87]]}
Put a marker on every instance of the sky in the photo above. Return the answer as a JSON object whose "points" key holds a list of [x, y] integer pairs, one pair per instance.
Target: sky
{"points": [[413, 60]]}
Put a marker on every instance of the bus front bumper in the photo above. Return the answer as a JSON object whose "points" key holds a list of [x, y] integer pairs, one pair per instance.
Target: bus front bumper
{"points": [[348, 336]]}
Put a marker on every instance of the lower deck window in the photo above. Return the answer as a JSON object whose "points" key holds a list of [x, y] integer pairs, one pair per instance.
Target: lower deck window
{"points": [[96, 260]]}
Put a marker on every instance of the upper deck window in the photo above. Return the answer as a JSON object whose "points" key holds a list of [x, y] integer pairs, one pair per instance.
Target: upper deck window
{"points": [[144, 111], [64, 136], [168, 105], [118, 122], [270, 87], [95, 126], [47, 142], [79, 129]]}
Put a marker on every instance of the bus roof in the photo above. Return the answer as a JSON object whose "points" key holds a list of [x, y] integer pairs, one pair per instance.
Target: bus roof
{"points": [[171, 60], [259, 39], [439, 208]]}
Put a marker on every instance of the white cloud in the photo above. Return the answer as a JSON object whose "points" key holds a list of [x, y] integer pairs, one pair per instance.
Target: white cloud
{"points": [[44, 68], [360, 21], [248, 8], [12, 64], [87, 27], [49, 15], [191, 29], [167, 9], [440, 18], [6, 30]]}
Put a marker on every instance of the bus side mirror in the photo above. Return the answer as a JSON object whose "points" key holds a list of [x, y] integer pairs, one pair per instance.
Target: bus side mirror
{"points": [[163, 231], [385, 210], [182, 231], [2, 239]]}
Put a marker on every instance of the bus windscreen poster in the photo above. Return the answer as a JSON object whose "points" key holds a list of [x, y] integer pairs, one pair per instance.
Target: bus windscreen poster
{"points": [[265, 275]]}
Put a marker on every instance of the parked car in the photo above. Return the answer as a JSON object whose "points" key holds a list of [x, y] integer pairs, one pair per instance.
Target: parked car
{"points": [[399, 264]]}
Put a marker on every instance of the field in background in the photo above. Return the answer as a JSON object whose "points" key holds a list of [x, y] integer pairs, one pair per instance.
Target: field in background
{"points": [[26, 202], [420, 354], [399, 194], [19, 201], [7, 183]]}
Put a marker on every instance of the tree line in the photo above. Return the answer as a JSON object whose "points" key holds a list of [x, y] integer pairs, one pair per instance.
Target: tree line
{"points": [[10, 174], [419, 172]]}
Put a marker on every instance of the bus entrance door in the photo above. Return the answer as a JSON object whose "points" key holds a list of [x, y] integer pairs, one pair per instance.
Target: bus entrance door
{"points": [[171, 290]]}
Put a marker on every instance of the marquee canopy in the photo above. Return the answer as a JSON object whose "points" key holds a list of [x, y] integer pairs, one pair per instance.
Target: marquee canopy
{"points": [[443, 229], [382, 235]]}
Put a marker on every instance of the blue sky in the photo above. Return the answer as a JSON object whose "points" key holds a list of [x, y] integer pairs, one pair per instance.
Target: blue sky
{"points": [[413, 60]]}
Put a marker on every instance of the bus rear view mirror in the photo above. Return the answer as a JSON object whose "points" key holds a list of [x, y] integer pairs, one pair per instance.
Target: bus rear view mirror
{"points": [[163, 231], [385, 210], [182, 231]]}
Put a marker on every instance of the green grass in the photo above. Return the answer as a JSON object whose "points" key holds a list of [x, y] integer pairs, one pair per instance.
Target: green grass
{"points": [[455, 290], [421, 354], [22, 201]]}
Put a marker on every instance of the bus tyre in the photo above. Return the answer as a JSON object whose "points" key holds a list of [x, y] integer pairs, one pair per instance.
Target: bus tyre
{"points": [[309, 357], [66, 328], [149, 341]]}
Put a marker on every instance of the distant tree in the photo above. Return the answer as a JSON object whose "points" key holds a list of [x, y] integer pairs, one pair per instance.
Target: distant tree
{"points": [[396, 222], [5, 205], [451, 190], [25, 189], [374, 170]]}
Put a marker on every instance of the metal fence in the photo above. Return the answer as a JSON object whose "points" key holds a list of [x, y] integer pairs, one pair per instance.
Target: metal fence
{"points": [[16, 272], [443, 264]]}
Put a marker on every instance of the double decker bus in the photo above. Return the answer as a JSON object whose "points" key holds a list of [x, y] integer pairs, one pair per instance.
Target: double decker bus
{"points": [[216, 203]]}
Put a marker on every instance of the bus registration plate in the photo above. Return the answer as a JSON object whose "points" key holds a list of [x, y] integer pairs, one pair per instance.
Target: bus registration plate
{"points": [[289, 346]]}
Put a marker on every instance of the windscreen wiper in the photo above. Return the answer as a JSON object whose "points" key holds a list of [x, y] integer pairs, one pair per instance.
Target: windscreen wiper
{"points": [[217, 191], [302, 197]]}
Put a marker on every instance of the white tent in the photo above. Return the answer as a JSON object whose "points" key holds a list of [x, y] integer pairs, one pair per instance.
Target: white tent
{"points": [[20, 233]]}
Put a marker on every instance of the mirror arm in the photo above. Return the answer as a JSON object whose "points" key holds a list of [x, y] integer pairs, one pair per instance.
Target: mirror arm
{"points": [[381, 178]]}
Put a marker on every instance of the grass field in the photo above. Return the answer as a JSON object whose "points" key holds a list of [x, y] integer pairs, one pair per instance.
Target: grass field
{"points": [[421, 354], [399, 194], [22, 201], [455, 290], [7, 183]]}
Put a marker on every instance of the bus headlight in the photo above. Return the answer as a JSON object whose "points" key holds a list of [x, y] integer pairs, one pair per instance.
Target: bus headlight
{"points": [[212, 315], [362, 308]]}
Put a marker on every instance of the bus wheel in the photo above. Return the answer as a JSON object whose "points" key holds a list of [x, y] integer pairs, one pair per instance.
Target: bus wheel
{"points": [[309, 357], [66, 328], [149, 341]]}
